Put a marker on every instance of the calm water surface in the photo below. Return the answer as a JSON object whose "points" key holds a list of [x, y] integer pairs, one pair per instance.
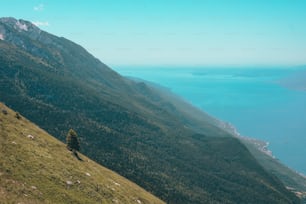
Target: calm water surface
{"points": [[250, 99]]}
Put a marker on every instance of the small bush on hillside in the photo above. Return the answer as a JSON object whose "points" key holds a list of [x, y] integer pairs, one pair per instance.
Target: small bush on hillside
{"points": [[72, 141], [4, 112], [18, 116]]}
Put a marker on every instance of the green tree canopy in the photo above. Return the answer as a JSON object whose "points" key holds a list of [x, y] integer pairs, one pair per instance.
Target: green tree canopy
{"points": [[72, 141]]}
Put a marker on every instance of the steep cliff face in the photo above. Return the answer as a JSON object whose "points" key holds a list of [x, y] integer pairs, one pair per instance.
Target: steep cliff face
{"points": [[128, 126]]}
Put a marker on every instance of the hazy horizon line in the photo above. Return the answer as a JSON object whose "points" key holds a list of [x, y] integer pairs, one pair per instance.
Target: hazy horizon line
{"points": [[207, 66]]}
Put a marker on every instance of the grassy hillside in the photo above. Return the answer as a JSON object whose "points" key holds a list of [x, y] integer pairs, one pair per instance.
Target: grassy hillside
{"points": [[40, 169]]}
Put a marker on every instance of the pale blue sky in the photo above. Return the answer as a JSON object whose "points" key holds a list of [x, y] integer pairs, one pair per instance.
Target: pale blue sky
{"points": [[175, 32]]}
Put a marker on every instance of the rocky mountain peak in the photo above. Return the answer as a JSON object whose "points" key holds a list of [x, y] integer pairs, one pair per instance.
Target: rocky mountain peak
{"points": [[12, 30], [19, 25], [57, 52], [8, 25], [26, 36]]}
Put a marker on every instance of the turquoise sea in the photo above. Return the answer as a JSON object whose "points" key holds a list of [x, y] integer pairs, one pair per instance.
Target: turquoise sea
{"points": [[249, 98]]}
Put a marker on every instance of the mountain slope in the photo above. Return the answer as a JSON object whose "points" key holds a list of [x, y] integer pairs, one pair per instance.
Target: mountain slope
{"points": [[127, 126], [292, 180], [36, 168]]}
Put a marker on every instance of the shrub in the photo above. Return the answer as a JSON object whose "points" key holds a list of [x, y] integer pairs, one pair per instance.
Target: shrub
{"points": [[72, 141], [4, 112], [18, 116]]}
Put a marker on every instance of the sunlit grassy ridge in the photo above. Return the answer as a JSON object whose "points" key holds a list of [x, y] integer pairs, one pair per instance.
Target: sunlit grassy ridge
{"points": [[37, 168]]}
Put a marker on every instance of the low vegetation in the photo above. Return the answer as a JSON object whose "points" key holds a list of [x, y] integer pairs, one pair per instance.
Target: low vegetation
{"points": [[72, 141], [37, 168]]}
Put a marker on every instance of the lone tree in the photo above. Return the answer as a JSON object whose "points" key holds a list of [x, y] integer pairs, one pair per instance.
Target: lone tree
{"points": [[72, 141]]}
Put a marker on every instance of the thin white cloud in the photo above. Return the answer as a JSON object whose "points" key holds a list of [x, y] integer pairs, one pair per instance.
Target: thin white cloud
{"points": [[41, 24], [39, 7]]}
